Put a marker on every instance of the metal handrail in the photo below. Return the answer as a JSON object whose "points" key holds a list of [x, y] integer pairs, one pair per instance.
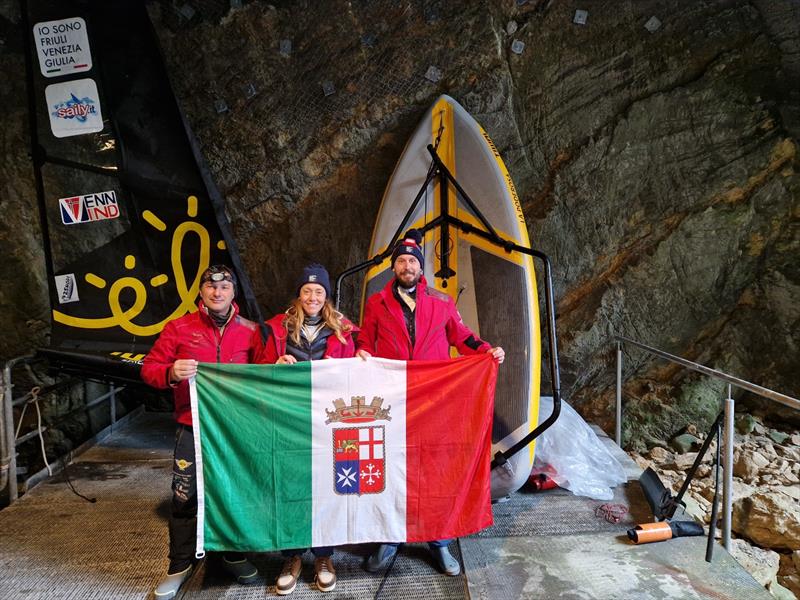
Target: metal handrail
{"points": [[8, 439], [8, 454], [740, 383], [727, 459]]}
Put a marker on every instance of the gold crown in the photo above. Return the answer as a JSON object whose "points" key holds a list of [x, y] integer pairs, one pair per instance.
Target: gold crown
{"points": [[358, 411]]}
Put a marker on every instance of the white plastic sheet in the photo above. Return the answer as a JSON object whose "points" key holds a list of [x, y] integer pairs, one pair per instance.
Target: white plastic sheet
{"points": [[581, 462]]}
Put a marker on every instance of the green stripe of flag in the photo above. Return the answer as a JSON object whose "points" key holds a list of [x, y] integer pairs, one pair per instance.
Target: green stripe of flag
{"points": [[256, 455]]}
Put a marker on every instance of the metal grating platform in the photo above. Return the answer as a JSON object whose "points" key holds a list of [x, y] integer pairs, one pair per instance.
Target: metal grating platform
{"points": [[54, 545], [558, 512], [412, 576]]}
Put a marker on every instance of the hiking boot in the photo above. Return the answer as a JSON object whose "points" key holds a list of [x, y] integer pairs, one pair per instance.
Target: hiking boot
{"points": [[241, 569], [326, 574], [169, 586], [445, 561], [287, 580], [380, 558]]}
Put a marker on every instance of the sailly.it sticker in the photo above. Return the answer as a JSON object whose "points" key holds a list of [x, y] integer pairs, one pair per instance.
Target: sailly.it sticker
{"points": [[74, 108]]}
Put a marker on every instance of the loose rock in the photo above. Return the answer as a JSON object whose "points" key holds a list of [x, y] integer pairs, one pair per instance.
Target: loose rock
{"points": [[769, 518], [761, 564]]}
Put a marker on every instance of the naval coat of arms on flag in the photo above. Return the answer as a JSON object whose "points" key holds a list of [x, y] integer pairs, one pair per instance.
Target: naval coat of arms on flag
{"points": [[343, 451]]}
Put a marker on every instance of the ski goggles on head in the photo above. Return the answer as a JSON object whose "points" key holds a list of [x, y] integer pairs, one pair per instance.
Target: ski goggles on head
{"points": [[217, 273]]}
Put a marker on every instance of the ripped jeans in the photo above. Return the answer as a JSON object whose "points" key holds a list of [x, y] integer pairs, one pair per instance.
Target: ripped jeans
{"points": [[183, 516]]}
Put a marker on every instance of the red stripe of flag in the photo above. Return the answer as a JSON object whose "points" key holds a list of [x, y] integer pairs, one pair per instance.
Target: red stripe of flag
{"points": [[448, 435]]}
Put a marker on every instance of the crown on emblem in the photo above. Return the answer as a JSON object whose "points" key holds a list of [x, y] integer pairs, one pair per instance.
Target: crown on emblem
{"points": [[358, 411]]}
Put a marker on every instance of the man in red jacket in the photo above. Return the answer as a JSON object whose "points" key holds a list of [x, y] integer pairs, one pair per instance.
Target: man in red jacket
{"points": [[215, 333], [407, 320]]}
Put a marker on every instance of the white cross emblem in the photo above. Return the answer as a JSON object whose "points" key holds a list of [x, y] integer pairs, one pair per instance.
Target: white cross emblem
{"points": [[371, 474], [347, 477]]}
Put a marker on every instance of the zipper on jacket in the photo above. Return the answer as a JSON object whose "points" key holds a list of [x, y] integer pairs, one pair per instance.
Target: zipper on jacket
{"points": [[219, 342], [403, 325]]}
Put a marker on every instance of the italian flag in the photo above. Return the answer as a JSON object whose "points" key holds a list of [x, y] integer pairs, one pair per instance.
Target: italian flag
{"points": [[344, 451]]}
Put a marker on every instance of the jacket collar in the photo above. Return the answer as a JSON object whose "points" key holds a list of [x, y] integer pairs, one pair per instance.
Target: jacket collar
{"points": [[203, 311], [387, 291]]}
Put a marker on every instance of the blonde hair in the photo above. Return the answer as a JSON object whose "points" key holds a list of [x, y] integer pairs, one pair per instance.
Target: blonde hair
{"points": [[330, 316]]}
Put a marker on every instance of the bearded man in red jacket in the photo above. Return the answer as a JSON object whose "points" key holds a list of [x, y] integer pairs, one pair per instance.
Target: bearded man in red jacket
{"points": [[407, 320], [215, 333]]}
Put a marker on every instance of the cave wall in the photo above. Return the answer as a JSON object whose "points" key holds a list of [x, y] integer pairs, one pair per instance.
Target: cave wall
{"points": [[24, 302], [658, 170]]}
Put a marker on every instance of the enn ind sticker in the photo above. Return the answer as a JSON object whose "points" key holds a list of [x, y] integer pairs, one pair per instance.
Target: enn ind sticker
{"points": [[88, 208], [74, 108]]}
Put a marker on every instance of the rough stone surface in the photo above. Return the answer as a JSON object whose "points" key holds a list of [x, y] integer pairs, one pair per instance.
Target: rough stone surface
{"points": [[749, 464], [23, 296], [778, 436], [658, 170], [768, 517], [780, 592], [791, 583], [765, 497], [745, 423], [761, 564], [684, 442]]}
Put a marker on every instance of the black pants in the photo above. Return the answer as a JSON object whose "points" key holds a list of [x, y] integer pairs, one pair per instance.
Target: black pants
{"points": [[183, 517]]}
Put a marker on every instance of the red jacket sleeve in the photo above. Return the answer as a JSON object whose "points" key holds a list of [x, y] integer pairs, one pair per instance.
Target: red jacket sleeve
{"points": [[461, 336], [369, 326], [336, 349], [256, 346], [269, 351], [156, 365]]}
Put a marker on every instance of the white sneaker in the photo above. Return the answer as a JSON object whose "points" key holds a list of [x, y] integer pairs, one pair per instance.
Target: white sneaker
{"points": [[169, 586]]}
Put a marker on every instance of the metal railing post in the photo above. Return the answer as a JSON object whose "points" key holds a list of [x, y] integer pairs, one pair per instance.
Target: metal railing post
{"points": [[9, 451], [618, 426], [727, 416], [727, 467], [3, 434], [113, 401]]}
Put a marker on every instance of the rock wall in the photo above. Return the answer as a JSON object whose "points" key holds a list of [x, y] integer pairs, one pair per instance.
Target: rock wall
{"points": [[657, 169], [24, 301]]}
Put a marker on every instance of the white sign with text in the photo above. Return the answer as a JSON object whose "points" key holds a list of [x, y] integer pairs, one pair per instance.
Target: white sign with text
{"points": [[62, 47]]}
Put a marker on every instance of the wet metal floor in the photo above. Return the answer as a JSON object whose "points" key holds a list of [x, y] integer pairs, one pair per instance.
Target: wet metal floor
{"points": [[55, 545]]}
